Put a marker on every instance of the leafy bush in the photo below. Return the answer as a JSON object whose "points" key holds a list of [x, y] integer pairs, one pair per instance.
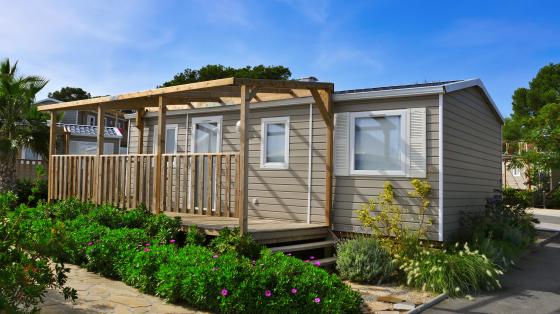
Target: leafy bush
{"points": [[162, 228], [108, 216], [8, 201], [103, 255], [82, 233], [232, 284], [231, 240], [456, 272], [518, 198], [195, 236], [363, 259], [139, 266], [66, 209]]}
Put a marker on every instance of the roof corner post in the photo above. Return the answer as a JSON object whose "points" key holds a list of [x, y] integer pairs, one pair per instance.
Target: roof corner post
{"points": [[327, 95], [162, 111], [100, 145], [242, 201], [140, 126], [52, 148]]}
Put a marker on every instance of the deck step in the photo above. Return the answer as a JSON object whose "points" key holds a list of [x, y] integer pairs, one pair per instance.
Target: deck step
{"points": [[327, 261], [303, 247]]}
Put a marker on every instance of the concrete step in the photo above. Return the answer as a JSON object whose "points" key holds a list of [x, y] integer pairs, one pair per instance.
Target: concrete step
{"points": [[327, 261], [303, 247]]}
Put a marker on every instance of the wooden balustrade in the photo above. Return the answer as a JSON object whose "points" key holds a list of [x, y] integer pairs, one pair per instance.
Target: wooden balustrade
{"points": [[203, 184], [26, 168]]}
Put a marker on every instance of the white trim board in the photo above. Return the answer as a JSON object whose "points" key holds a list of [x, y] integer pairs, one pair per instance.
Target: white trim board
{"points": [[440, 162]]}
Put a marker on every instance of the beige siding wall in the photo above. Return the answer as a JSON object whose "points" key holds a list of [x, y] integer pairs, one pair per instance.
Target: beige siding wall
{"points": [[472, 155], [273, 193], [350, 192]]}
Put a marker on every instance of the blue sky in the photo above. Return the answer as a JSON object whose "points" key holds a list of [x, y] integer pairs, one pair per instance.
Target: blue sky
{"points": [[111, 47]]}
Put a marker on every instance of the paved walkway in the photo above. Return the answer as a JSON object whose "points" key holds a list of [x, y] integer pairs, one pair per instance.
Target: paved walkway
{"points": [[97, 294], [531, 287], [549, 218]]}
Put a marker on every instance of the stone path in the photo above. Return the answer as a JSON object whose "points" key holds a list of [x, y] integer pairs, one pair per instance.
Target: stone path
{"points": [[389, 298], [97, 294]]}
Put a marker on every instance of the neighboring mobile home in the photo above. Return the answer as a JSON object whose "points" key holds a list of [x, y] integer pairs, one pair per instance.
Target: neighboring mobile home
{"points": [[448, 133]]}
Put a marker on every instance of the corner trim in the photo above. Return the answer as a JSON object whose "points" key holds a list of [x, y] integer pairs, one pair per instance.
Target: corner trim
{"points": [[440, 174]]}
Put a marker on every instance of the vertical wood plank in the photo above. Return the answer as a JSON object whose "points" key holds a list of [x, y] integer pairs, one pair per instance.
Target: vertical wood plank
{"points": [[128, 181], [192, 183], [184, 191], [228, 186], [99, 152], [149, 171], [243, 161], [177, 182], [169, 192], [208, 187], [52, 146], [159, 149], [218, 185], [200, 180]]}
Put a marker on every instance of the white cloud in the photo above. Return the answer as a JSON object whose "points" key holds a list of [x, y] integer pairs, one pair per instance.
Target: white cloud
{"points": [[316, 11]]}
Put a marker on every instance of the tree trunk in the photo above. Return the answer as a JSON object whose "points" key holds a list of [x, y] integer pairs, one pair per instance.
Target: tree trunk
{"points": [[7, 174]]}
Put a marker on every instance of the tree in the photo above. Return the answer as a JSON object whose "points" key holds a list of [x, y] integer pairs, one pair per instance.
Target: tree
{"points": [[217, 71], [20, 122], [70, 94], [536, 121]]}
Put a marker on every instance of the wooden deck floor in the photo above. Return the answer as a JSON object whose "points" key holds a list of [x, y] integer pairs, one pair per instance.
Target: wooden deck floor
{"points": [[265, 231]]}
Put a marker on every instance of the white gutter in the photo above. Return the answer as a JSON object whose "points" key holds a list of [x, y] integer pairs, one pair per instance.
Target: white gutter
{"points": [[440, 172], [310, 164]]}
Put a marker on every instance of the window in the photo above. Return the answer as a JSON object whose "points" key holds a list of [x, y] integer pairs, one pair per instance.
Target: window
{"points": [[516, 172], [89, 148], [108, 122], [275, 143], [378, 143], [170, 138], [206, 134], [28, 154], [91, 120]]}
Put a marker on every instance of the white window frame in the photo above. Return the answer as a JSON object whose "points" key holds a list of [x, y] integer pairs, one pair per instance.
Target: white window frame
{"points": [[167, 127], [91, 119], [212, 119], [403, 113], [264, 124]]}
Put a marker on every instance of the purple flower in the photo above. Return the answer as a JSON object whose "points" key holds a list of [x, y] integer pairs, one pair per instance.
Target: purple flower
{"points": [[90, 243], [311, 257], [307, 261], [172, 241], [147, 244], [146, 250], [289, 254], [267, 293], [294, 290], [225, 292], [215, 268], [216, 256], [317, 300], [317, 263]]}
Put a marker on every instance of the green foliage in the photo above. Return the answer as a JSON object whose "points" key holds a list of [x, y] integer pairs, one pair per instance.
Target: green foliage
{"points": [[8, 201], [162, 228], [216, 71], [231, 240], [25, 272], [138, 267], [66, 209], [82, 232], [363, 259], [520, 199], [232, 284], [69, 94], [103, 254], [33, 191], [21, 125], [195, 236], [455, 272]]}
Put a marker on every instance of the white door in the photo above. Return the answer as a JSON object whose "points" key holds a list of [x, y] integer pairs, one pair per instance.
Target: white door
{"points": [[206, 138]]}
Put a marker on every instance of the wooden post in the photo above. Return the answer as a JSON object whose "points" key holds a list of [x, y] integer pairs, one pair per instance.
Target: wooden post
{"points": [[52, 148], [160, 145], [100, 146], [140, 125], [243, 161], [327, 98], [66, 143]]}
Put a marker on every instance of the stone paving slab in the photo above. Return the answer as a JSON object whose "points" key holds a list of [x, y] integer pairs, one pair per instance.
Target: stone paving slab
{"points": [[97, 294]]}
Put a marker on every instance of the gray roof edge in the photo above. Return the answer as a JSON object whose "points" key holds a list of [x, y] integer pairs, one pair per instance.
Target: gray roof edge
{"points": [[475, 82]]}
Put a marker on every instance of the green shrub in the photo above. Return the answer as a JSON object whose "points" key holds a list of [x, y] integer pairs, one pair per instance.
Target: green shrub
{"points": [[8, 201], [82, 233], [162, 228], [108, 216], [31, 192], [363, 259], [231, 240], [138, 267], [102, 255], [455, 272], [66, 209], [195, 236], [231, 283]]}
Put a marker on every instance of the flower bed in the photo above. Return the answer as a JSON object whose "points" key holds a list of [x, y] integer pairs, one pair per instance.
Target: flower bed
{"points": [[231, 273]]}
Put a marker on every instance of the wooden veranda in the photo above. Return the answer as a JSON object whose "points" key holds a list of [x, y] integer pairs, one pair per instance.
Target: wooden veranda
{"points": [[164, 182]]}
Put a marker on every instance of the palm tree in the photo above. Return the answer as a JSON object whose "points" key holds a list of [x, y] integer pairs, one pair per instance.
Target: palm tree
{"points": [[20, 122]]}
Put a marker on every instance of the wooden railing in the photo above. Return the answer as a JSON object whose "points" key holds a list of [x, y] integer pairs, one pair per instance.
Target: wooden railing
{"points": [[25, 168], [203, 184]]}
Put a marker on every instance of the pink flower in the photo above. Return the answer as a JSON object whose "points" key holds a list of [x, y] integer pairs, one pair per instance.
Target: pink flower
{"points": [[289, 254], [147, 244], [90, 243], [172, 241], [312, 257], [317, 263], [294, 290], [224, 292], [147, 250], [215, 268], [317, 300], [307, 261], [216, 256], [267, 293]]}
